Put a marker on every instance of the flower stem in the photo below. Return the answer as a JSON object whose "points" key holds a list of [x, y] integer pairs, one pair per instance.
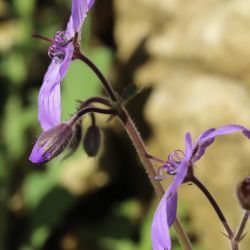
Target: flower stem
{"points": [[238, 235], [214, 204], [95, 99], [103, 80], [139, 146]]}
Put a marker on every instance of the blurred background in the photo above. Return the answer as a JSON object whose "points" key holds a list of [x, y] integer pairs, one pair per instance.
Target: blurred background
{"points": [[190, 62]]}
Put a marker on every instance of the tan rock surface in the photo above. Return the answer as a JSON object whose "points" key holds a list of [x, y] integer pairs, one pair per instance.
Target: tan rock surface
{"points": [[198, 66]]}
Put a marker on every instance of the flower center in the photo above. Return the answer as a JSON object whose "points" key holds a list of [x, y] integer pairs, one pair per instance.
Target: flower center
{"points": [[174, 159], [171, 165], [57, 50]]}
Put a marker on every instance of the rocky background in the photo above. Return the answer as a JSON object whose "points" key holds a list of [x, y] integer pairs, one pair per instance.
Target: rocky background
{"points": [[197, 68]]}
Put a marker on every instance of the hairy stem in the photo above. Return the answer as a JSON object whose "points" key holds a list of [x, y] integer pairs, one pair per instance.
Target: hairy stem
{"points": [[139, 146], [142, 152], [95, 99], [215, 206]]}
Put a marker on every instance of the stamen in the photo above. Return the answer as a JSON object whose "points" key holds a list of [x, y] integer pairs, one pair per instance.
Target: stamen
{"points": [[56, 53], [174, 159], [160, 176], [176, 156], [60, 39]]}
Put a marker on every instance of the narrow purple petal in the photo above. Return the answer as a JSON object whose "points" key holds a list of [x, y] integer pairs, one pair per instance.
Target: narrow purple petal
{"points": [[166, 211], [36, 155], [80, 9], [206, 133], [228, 129], [163, 219], [70, 33], [79, 12], [49, 101], [207, 138], [201, 145], [189, 145]]}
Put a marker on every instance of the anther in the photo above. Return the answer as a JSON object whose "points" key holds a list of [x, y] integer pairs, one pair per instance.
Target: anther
{"points": [[56, 53]]}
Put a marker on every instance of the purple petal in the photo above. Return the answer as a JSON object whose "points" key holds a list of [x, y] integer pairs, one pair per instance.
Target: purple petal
{"points": [[79, 12], [189, 145], [201, 145], [206, 133], [36, 155], [80, 9], [207, 138], [49, 101], [70, 33], [166, 211], [246, 133], [163, 219], [90, 3], [228, 129]]}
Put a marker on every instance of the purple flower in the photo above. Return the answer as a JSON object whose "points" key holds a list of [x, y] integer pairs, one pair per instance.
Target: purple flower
{"points": [[61, 52], [180, 165]]}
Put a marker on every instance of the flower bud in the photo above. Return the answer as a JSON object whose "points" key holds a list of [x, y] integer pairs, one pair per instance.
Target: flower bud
{"points": [[92, 140], [51, 143], [75, 141], [243, 193]]}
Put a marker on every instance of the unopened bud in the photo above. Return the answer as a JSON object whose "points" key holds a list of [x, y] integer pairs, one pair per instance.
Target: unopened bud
{"points": [[92, 140], [243, 193], [75, 141], [51, 143]]}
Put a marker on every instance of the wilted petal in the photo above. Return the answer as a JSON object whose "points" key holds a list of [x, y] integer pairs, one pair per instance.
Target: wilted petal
{"points": [[49, 101]]}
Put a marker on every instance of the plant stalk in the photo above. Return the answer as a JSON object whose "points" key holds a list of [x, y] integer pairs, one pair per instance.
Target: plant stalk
{"points": [[139, 146], [215, 206]]}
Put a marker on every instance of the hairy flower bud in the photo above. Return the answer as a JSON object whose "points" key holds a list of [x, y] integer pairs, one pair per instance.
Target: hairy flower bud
{"points": [[243, 193], [51, 143], [75, 141], [92, 140]]}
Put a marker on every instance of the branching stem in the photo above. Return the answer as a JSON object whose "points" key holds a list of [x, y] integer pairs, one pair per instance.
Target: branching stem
{"points": [[139, 146], [238, 235]]}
